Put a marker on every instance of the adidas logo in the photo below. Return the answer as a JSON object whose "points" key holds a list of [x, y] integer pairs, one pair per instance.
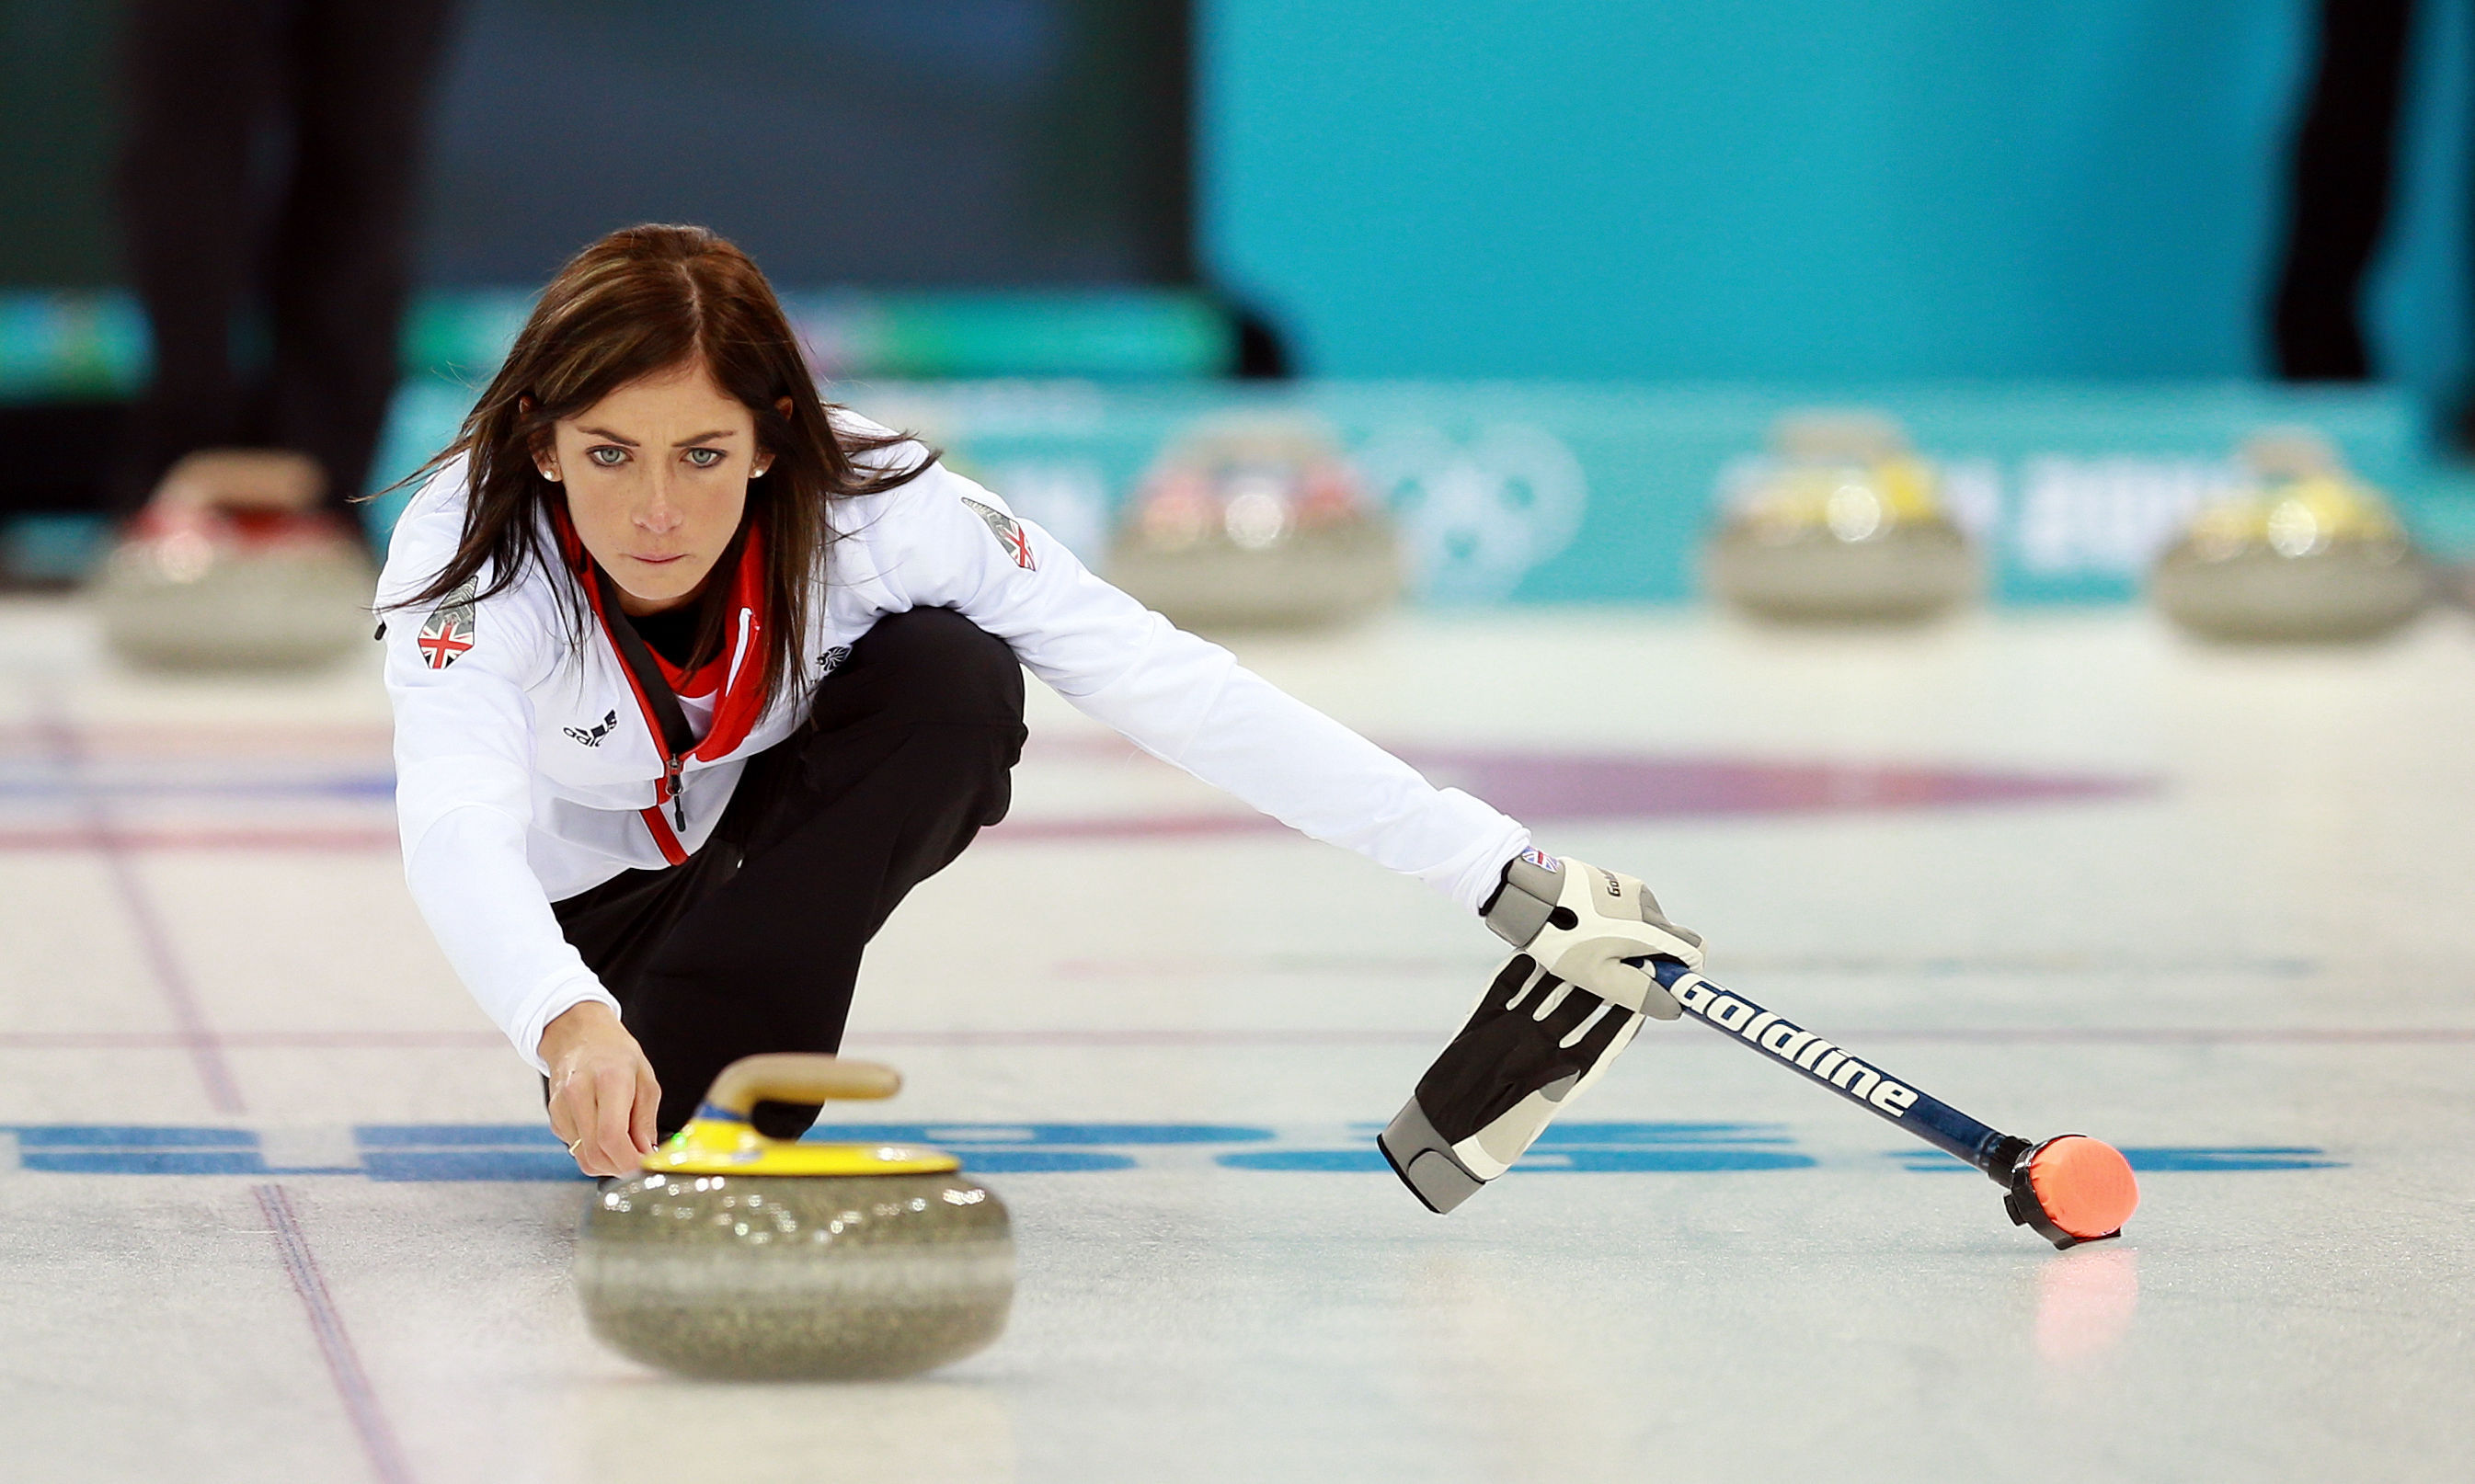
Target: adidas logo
{"points": [[593, 738]]}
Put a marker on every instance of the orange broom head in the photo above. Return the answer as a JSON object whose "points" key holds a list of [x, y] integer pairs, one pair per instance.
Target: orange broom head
{"points": [[2084, 1184]]}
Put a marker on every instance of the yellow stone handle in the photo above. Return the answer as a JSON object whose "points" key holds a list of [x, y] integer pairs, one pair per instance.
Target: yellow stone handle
{"points": [[796, 1077]]}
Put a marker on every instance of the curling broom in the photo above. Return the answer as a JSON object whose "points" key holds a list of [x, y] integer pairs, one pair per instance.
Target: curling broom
{"points": [[2068, 1189]]}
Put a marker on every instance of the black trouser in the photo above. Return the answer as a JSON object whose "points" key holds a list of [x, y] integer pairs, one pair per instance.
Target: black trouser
{"points": [[754, 943], [344, 85], [2342, 172]]}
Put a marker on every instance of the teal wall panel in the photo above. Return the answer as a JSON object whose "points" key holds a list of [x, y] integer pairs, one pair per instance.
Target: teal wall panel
{"points": [[1821, 189]]}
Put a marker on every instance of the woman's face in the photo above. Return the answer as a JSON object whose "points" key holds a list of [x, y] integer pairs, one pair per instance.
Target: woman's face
{"points": [[656, 477]]}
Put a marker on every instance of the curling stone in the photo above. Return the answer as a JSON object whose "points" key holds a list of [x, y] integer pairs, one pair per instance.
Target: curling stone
{"points": [[203, 588], [2306, 553], [1257, 525], [1841, 525], [743, 1257]]}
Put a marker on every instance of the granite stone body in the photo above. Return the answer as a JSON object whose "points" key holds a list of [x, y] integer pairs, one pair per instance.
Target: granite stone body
{"points": [[1257, 522], [833, 1278], [1912, 571], [1343, 569], [2344, 591], [194, 602]]}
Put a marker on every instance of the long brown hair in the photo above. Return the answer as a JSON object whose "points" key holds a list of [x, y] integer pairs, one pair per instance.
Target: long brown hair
{"points": [[641, 301]]}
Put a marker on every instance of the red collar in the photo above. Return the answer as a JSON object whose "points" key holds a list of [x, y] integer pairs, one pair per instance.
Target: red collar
{"points": [[737, 672]]}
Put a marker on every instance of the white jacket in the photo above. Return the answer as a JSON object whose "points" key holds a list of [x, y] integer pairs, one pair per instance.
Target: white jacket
{"points": [[524, 765]]}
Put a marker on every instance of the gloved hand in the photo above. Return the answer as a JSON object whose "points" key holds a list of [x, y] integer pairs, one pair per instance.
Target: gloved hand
{"points": [[1557, 1013]]}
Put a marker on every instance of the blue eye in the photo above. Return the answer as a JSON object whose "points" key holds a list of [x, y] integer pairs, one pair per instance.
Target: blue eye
{"points": [[607, 456], [704, 458]]}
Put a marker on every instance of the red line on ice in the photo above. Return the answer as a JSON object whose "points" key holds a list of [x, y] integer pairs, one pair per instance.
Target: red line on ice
{"points": [[335, 1341], [154, 942]]}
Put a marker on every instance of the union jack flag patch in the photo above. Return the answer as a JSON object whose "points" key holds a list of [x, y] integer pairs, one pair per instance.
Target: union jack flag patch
{"points": [[1008, 531], [1542, 860], [449, 632]]}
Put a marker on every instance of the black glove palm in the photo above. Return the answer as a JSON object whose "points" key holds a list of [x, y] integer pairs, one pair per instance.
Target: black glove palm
{"points": [[1505, 1053]]}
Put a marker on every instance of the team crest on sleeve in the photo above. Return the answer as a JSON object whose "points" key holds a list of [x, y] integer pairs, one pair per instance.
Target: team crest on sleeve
{"points": [[1008, 531], [449, 631]]}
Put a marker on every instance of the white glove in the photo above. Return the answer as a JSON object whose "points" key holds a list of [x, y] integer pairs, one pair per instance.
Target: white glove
{"points": [[1581, 923], [1555, 1014]]}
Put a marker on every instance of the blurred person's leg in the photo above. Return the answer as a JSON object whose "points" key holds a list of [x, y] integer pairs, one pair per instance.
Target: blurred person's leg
{"points": [[199, 77], [229, 565], [2343, 169], [339, 261]]}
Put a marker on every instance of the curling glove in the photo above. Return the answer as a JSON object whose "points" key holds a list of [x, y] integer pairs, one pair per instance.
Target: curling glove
{"points": [[1559, 1009]]}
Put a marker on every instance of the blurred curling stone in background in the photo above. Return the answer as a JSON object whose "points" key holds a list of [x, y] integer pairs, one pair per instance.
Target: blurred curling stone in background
{"points": [[2306, 553], [743, 1257], [1841, 525], [231, 566], [1257, 523]]}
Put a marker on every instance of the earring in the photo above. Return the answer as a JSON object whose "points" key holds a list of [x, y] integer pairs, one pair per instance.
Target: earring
{"points": [[551, 473], [758, 473]]}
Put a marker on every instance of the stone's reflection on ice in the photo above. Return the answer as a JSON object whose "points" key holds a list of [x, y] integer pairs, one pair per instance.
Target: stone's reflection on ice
{"points": [[658, 1431]]}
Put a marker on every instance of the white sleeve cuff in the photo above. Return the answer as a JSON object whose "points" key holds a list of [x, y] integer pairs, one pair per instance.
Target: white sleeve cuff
{"points": [[1479, 874], [527, 1034]]}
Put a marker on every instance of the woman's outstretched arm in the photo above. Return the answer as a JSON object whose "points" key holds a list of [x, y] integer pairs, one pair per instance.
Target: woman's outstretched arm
{"points": [[464, 732], [943, 541]]}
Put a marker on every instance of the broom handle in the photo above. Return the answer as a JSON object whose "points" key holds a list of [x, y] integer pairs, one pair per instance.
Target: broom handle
{"points": [[1831, 1065]]}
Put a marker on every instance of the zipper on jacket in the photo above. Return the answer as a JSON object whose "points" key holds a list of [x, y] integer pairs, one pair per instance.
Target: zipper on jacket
{"points": [[672, 852], [660, 704]]}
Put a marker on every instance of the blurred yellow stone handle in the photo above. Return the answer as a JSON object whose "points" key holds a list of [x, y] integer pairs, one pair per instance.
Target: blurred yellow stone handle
{"points": [[795, 1077]]}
